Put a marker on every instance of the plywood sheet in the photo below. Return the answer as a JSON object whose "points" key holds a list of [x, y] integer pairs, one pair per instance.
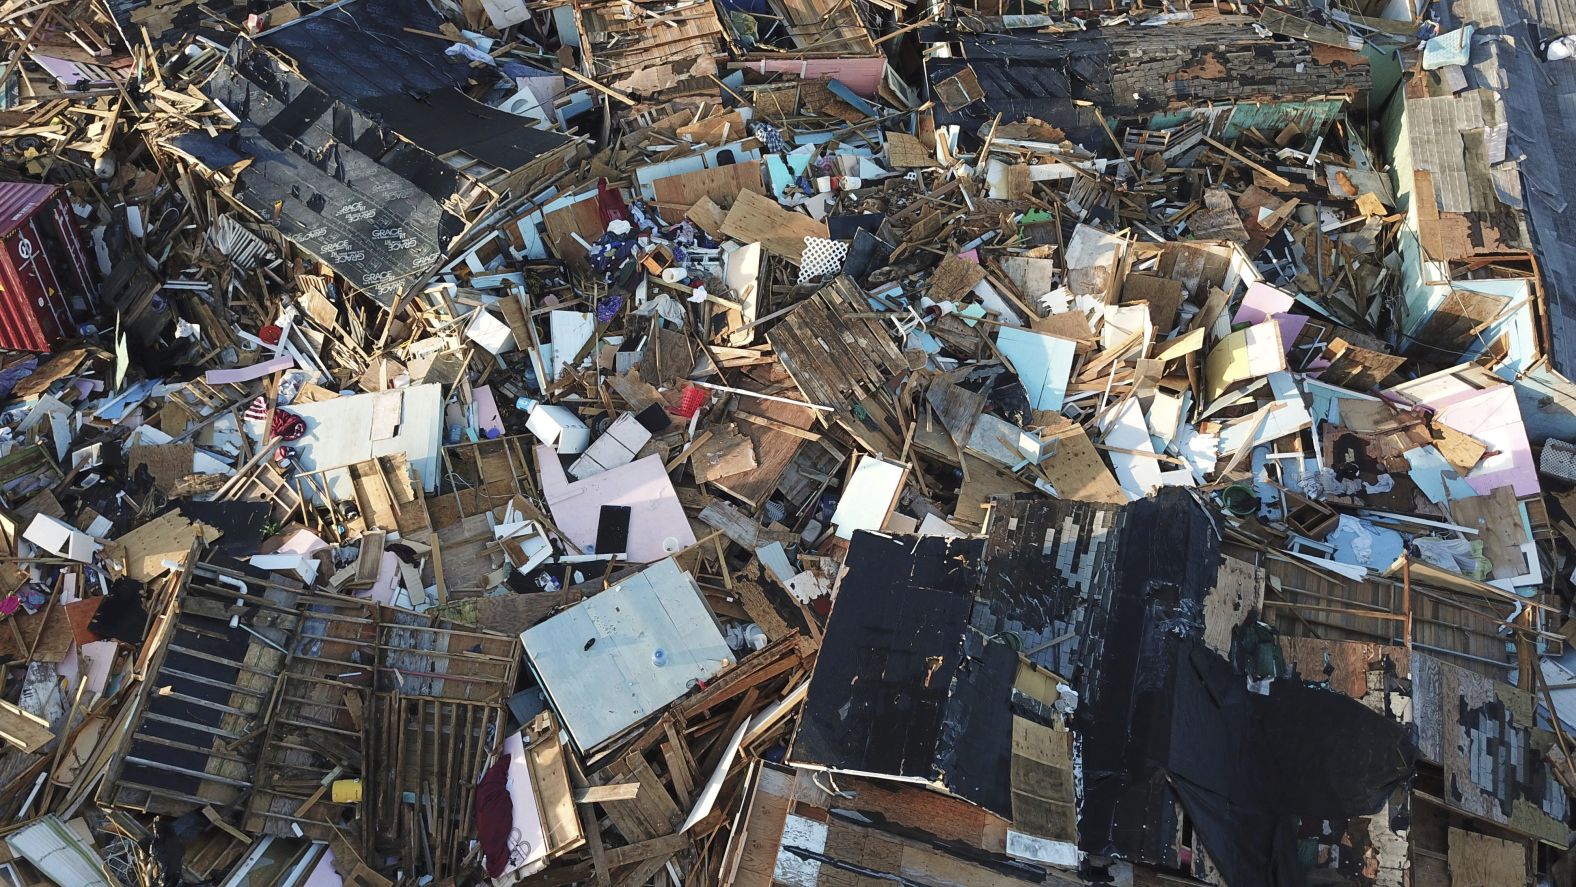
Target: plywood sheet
{"points": [[168, 537], [678, 193], [1356, 368], [1497, 518], [1075, 468], [1238, 591], [905, 152], [167, 463], [1043, 802], [1481, 861], [758, 219], [724, 454]]}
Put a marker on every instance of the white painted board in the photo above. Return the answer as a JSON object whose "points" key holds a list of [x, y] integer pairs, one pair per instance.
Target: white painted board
{"points": [[869, 496], [1042, 362], [597, 660]]}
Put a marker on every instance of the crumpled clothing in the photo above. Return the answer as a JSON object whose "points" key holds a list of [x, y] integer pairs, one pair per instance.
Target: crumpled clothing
{"points": [[469, 53], [770, 136], [495, 817], [1321, 484], [256, 411], [288, 426], [1385, 484], [665, 307], [607, 308], [1455, 555], [1362, 540]]}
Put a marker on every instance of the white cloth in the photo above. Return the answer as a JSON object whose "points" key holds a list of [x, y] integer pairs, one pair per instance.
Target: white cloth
{"points": [[1561, 48]]}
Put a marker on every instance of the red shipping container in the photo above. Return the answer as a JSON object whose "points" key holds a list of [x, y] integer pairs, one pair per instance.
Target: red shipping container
{"points": [[45, 281]]}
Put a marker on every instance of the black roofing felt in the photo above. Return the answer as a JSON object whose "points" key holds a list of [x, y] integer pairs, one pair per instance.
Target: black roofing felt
{"points": [[361, 54], [913, 682], [902, 685], [1165, 720]]}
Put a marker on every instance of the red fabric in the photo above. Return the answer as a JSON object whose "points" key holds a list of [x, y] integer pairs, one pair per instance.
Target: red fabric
{"points": [[495, 817], [288, 426]]}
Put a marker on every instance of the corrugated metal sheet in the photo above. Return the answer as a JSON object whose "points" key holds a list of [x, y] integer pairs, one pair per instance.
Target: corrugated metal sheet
{"points": [[43, 267], [18, 200]]}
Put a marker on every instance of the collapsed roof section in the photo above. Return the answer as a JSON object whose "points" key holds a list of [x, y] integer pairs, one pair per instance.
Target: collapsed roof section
{"points": [[380, 58], [361, 149], [904, 688], [344, 189], [1172, 732], [1190, 65]]}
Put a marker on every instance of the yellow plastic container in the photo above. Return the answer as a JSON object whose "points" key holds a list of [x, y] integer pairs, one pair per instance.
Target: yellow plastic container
{"points": [[345, 791]]}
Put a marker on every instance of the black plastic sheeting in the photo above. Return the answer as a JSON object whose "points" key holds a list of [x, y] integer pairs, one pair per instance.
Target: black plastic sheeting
{"points": [[902, 685], [1165, 720]]}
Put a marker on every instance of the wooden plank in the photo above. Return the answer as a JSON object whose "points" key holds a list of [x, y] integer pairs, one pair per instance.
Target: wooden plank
{"points": [[1268, 173], [642, 872], [680, 765], [597, 794], [633, 853], [784, 427], [23, 729], [593, 833], [652, 812]]}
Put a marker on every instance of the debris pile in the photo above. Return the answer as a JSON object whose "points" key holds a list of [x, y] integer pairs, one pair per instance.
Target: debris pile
{"points": [[739, 443]]}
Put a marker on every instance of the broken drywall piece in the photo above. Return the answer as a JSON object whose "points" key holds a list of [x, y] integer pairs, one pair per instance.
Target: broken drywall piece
{"points": [[1264, 302], [559, 428], [1093, 259], [339, 434], [870, 495], [489, 332], [571, 334], [935, 525], [741, 272], [1286, 414], [658, 526], [1245, 354], [617, 446], [1131, 451], [61, 539], [1125, 321], [300, 566], [1043, 364], [1004, 443]]}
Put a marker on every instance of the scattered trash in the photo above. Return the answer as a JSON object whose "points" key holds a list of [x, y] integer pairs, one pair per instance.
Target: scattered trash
{"points": [[632, 443]]}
